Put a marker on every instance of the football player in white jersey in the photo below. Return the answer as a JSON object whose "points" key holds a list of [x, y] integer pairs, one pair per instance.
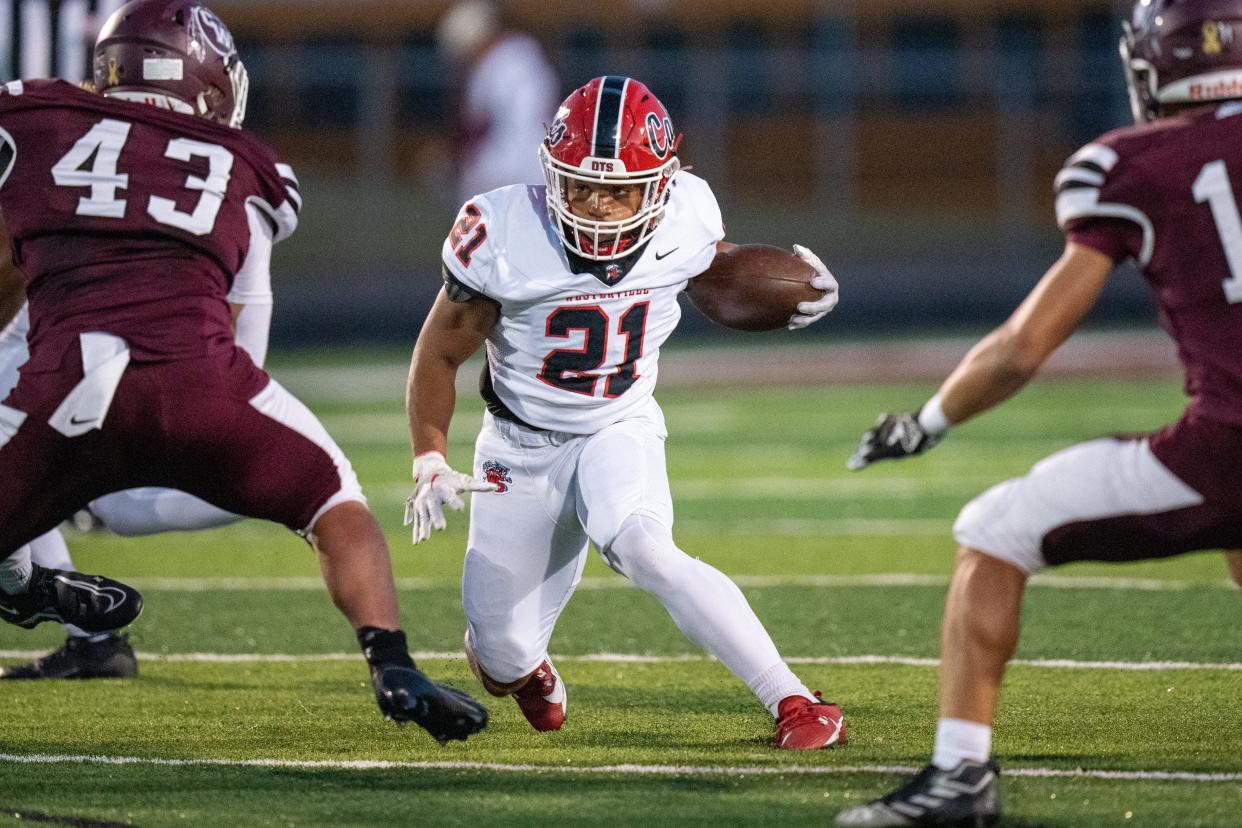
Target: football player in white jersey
{"points": [[572, 287]]}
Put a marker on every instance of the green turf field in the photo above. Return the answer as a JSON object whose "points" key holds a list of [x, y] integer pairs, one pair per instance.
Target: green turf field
{"points": [[1125, 708]]}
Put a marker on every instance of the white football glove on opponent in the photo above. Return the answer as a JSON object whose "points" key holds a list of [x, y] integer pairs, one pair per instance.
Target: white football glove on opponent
{"points": [[436, 485], [811, 312]]}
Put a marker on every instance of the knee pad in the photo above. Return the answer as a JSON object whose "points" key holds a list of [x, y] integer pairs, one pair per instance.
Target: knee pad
{"points": [[643, 551], [993, 524]]}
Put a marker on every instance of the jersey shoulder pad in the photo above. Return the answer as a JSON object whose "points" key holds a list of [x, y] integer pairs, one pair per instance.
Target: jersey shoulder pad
{"points": [[695, 198], [1094, 184], [279, 196], [469, 251]]}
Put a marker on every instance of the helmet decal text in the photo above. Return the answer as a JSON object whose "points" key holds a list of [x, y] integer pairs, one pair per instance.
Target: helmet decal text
{"points": [[659, 134], [206, 28]]}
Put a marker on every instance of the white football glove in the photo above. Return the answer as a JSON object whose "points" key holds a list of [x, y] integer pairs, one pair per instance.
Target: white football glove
{"points": [[436, 485], [811, 312]]}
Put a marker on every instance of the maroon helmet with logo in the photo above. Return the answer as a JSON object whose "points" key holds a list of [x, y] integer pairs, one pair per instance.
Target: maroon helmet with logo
{"points": [[172, 53], [1182, 52], [612, 130]]}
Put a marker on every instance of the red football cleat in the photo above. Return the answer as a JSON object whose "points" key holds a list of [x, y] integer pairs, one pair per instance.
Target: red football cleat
{"points": [[543, 698], [803, 724]]}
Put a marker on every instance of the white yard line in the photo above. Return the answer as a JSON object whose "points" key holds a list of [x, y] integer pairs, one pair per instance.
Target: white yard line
{"points": [[626, 769], [634, 658], [890, 579]]}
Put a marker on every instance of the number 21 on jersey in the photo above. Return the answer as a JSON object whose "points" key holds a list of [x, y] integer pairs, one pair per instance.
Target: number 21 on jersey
{"points": [[578, 370]]}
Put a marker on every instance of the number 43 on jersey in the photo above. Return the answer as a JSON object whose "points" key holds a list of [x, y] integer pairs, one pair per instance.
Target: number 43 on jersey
{"points": [[92, 163]]}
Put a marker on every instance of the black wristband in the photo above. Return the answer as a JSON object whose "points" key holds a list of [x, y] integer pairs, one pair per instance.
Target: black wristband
{"points": [[386, 648]]}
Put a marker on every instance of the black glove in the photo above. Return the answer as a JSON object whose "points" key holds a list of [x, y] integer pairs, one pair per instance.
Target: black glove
{"points": [[893, 436], [404, 694]]}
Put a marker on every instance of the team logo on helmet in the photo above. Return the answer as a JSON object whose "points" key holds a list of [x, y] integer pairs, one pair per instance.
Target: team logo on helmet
{"points": [[206, 28], [557, 131], [659, 135], [498, 474]]}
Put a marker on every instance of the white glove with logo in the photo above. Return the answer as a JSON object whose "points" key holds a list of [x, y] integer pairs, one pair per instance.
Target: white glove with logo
{"points": [[436, 485], [811, 312]]}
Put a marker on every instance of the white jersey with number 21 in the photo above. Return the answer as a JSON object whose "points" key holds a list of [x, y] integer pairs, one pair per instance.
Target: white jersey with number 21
{"points": [[573, 352]]}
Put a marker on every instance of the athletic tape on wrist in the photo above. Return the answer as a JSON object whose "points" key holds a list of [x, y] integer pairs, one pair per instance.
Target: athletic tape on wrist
{"points": [[932, 419]]}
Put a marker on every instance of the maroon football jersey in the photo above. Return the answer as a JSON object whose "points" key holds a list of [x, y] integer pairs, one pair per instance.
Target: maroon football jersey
{"points": [[130, 219], [1164, 194]]}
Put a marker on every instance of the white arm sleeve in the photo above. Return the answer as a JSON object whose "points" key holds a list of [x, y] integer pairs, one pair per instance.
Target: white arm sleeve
{"points": [[252, 288]]}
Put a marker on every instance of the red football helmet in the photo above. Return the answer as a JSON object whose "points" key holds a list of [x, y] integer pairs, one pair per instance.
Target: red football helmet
{"points": [[1181, 51], [611, 130], [172, 53]]}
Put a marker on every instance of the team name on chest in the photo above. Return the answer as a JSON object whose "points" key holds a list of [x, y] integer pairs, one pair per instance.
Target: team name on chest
{"points": [[602, 297]]}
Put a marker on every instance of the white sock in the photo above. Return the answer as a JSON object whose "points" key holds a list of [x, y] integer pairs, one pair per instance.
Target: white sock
{"points": [[50, 552], [15, 571], [958, 739], [776, 683]]}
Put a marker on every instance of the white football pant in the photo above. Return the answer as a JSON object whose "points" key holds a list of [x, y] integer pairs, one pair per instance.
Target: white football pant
{"points": [[528, 545]]}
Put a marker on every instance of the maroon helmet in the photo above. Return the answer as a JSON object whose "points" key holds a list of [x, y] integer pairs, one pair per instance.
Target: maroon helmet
{"points": [[1182, 52], [175, 54]]}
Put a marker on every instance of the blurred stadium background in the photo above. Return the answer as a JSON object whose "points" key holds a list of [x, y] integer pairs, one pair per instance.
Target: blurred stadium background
{"points": [[912, 145]]}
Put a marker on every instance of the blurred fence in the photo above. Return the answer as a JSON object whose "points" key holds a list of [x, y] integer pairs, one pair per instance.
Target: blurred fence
{"points": [[914, 143]]}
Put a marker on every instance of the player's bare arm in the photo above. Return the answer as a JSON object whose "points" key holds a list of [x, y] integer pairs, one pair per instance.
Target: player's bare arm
{"points": [[1006, 359], [451, 334], [1001, 363], [12, 283]]}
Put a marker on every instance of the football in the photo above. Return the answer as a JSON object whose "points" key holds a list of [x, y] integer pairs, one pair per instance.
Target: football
{"points": [[753, 287]]}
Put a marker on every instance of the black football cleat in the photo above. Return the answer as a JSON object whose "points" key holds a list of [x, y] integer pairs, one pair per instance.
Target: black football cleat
{"points": [[90, 602], [81, 658], [405, 695], [967, 796]]}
